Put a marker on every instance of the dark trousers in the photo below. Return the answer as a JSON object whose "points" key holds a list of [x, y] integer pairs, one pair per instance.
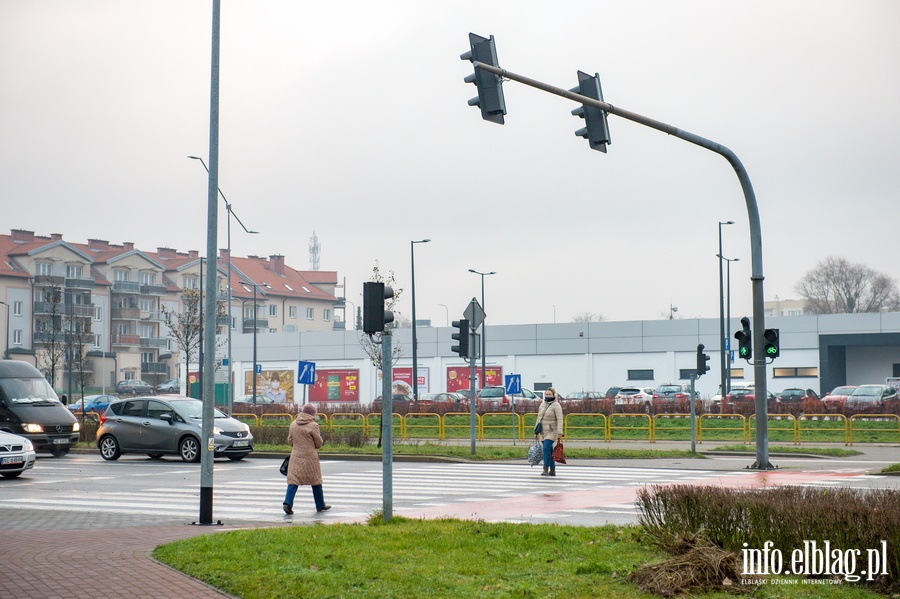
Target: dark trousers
{"points": [[318, 496], [548, 453]]}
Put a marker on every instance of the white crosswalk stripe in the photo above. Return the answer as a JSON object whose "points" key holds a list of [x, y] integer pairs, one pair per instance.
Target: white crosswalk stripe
{"points": [[359, 494]]}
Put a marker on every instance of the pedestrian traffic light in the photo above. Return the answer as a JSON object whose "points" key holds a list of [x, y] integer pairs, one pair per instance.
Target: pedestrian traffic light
{"points": [[375, 317], [745, 339], [596, 130], [772, 347], [490, 86], [702, 359], [462, 337]]}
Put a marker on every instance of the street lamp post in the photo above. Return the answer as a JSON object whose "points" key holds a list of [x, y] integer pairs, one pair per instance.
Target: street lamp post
{"points": [[415, 360], [447, 315], [722, 384], [255, 286], [231, 215], [483, 322], [728, 312]]}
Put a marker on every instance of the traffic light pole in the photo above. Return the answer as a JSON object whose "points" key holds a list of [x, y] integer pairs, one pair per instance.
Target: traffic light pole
{"points": [[387, 424], [756, 277]]}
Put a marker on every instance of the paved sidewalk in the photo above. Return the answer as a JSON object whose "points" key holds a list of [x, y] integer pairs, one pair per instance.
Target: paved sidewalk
{"points": [[60, 555]]}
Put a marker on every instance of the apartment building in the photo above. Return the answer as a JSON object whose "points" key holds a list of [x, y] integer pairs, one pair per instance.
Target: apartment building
{"points": [[106, 312]]}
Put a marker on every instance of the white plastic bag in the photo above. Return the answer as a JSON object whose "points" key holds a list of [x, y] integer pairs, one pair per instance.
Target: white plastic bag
{"points": [[535, 453]]}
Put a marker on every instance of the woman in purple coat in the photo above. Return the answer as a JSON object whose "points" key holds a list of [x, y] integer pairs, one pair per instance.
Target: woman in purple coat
{"points": [[304, 469]]}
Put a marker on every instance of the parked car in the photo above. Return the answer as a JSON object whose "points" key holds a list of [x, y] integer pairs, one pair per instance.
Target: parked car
{"points": [[248, 400], [612, 392], [836, 399], [169, 386], [134, 387], [671, 397], [743, 401], [445, 399], [492, 397], [92, 404], [16, 455], [629, 398], [582, 395], [159, 426], [396, 398], [870, 398]]}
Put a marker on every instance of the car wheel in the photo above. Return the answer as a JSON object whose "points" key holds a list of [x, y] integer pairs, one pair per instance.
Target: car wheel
{"points": [[155, 456], [58, 452], [109, 448], [236, 458], [189, 449], [10, 474]]}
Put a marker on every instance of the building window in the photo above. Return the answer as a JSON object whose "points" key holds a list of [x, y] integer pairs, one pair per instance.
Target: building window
{"points": [[190, 282], [233, 321], [147, 356], [292, 311], [737, 373], [685, 374], [17, 337], [326, 314], [73, 271], [97, 340], [120, 275], [148, 278], [43, 269], [17, 308], [273, 310], [310, 313], [802, 372], [98, 313], [640, 375]]}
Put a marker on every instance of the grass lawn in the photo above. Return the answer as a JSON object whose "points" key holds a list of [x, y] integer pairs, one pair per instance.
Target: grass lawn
{"points": [[435, 558]]}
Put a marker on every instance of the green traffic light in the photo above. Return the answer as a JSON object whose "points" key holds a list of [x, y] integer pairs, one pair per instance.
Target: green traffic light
{"points": [[771, 350], [743, 352]]}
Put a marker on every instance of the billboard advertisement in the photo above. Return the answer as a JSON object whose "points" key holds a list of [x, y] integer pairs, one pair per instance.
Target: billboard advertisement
{"points": [[277, 385], [403, 382], [458, 377], [340, 385]]}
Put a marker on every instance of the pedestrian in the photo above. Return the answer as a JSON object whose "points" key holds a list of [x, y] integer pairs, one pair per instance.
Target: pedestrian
{"points": [[305, 439], [550, 415]]}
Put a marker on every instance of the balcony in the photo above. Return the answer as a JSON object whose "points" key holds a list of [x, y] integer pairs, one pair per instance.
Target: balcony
{"points": [[47, 308], [339, 325], [154, 315], [126, 339], [49, 281], [49, 337], [126, 287], [125, 313], [79, 283], [153, 290], [260, 324], [84, 310], [222, 320], [154, 368], [154, 342]]}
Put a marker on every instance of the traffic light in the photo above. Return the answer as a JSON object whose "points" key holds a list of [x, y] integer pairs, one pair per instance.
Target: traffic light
{"points": [[745, 340], [772, 347], [490, 86], [596, 130], [702, 359], [374, 314], [462, 337]]}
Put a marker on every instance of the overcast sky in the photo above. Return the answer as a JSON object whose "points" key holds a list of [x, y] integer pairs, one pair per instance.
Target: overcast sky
{"points": [[350, 119]]}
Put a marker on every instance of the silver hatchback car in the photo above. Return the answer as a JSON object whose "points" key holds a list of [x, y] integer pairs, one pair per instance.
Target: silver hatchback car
{"points": [[159, 426], [16, 455]]}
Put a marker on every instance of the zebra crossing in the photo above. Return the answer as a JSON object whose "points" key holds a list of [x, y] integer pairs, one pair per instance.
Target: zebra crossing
{"points": [[254, 491]]}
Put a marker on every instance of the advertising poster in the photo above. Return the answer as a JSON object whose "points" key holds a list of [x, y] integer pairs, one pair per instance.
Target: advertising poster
{"points": [[458, 377], [340, 385], [403, 382], [277, 385]]}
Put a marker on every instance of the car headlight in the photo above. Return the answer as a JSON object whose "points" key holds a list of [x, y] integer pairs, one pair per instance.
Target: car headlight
{"points": [[246, 427], [76, 427], [32, 428], [29, 446], [217, 431]]}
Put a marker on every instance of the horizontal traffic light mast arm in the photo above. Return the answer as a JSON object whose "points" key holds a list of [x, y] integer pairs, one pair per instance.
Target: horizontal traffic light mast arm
{"points": [[756, 263]]}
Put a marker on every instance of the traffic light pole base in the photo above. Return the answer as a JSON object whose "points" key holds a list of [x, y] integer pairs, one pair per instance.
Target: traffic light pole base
{"points": [[767, 466]]}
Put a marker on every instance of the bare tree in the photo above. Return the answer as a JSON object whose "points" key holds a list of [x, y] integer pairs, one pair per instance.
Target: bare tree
{"points": [[837, 287], [588, 317], [184, 326], [79, 336], [49, 330], [371, 344]]}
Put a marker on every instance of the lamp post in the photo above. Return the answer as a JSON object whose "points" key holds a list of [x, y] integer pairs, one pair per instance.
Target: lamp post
{"points": [[728, 314], [346, 301], [231, 215], [447, 315], [255, 286], [415, 367], [722, 313], [483, 336], [6, 331]]}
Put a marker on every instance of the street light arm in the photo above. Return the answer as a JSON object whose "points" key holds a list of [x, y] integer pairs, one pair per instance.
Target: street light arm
{"points": [[224, 199]]}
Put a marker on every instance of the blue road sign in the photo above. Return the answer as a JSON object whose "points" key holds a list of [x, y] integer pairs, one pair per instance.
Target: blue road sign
{"points": [[727, 343], [259, 369], [306, 372], [513, 383], [224, 361], [731, 356]]}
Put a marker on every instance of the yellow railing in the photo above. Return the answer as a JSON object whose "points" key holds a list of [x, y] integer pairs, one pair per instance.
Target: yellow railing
{"points": [[603, 426], [865, 417], [508, 420], [412, 417], [702, 426], [844, 427], [673, 417], [346, 421], [791, 429], [610, 427]]}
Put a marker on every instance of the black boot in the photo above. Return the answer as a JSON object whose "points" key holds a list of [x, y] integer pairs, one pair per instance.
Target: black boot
{"points": [[552, 470], [544, 473]]}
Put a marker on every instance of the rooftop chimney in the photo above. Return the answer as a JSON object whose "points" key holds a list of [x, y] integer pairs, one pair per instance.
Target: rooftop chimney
{"points": [[22, 236], [98, 245]]}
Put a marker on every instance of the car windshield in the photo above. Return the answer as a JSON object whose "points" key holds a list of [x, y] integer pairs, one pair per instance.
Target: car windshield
{"points": [[193, 408], [669, 389], [630, 391], [867, 390], [492, 392], [843, 391], [28, 391]]}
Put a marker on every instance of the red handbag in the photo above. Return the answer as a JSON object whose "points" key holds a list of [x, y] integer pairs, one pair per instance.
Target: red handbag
{"points": [[559, 454]]}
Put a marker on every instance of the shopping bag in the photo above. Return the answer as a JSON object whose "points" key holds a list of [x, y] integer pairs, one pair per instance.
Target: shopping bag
{"points": [[284, 465], [535, 453], [559, 454]]}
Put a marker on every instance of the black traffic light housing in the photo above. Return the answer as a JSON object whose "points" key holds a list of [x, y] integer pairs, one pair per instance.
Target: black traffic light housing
{"points": [[596, 129], [772, 348], [702, 359], [745, 340], [490, 87], [375, 317], [462, 337]]}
